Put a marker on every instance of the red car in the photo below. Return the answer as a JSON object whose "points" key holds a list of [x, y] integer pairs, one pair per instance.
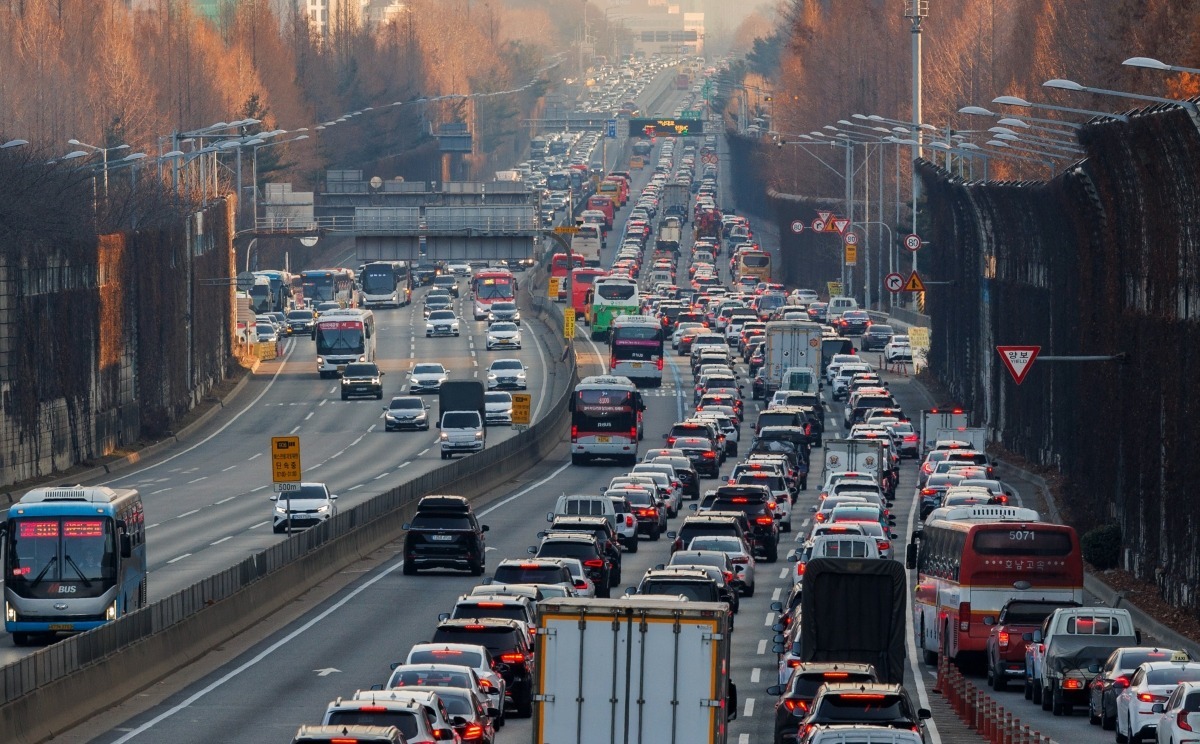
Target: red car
{"points": [[1009, 635]]}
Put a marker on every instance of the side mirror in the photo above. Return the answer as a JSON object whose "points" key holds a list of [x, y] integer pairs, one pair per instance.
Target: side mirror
{"points": [[778, 627], [1095, 669], [776, 606], [1137, 636], [126, 546], [493, 712], [393, 665], [1037, 636], [775, 690], [458, 720], [333, 497], [542, 534], [630, 591], [694, 507], [813, 509], [664, 436], [672, 534], [924, 714], [778, 648], [484, 528], [794, 557], [531, 550], [910, 556], [549, 516], [893, 536], [376, 687], [443, 616], [778, 637]]}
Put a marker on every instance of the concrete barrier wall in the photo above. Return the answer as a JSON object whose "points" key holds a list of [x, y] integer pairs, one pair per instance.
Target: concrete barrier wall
{"points": [[64, 684]]}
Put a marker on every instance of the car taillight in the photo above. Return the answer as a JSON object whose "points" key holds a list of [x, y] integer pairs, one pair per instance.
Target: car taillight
{"points": [[763, 520], [796, 705], [670, 441], [820, 517], [910, 437], [742, 559], [800, 569], [594, 563], [1147, 697], [1181, 721], [793, 663], [710, 455], [517, 658], [633, 433], [1002, 639], [660, 364], [1120, 682], [485, 684], [612, 364], [964, 616], [1072, 684], [884, 545], [728, 576], [927, 467], [581, 584], [628, 520], [474, 731], [574, 432], [441, 734], [647, 512], [928, 491]]}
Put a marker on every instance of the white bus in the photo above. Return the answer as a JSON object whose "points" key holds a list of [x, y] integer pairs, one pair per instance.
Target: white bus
{"points": [[344, 336], [606, 419], [385, 283], [637, 349]]}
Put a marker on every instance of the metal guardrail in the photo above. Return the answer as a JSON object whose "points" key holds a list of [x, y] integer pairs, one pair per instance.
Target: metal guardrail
{"points": [[434, 225]]}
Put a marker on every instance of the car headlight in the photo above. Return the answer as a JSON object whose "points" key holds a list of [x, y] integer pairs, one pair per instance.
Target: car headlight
{"points": [[10, 614], [390, 416], [444, 436], [421, 417], [323, 508], [491, 375], [479, 435], [111, 612], [281, 509], [320, 360]]}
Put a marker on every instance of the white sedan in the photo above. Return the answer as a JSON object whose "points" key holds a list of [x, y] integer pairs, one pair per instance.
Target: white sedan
{"points": [[503, 335], [738, 552], [441, 323], [1179, 719], [427, 377], [1151, 685], [506, 374], [897, 349]]}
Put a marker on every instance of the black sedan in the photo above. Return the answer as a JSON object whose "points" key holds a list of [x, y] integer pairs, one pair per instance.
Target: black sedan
{"points": [[876, 337], [853, 323]]}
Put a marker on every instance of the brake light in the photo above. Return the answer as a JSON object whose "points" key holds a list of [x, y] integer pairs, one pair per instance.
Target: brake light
{"points": [[927, 467], [728, 576], [373, 709], [670, 442], [1120, 682], [710, 455], [480, 627], [739, 500], [612, 364], [485, 685], [861, 696], [574, 432], [477, 604], [740, 559], [474, 731], [964, 616], [800, 569], [1073, 684], [884, 545], [763, 520], [527, 566], [793, 663], [910, 437], [928, 491], [1002, 639], [660, 364], [796, 704], [1181, 721], [517, 658], [771, 505], [835, 675], [647, 512], [594, 563], [628, 520], [439, 734], [1147, 697], [581, 584], [820, 517]]}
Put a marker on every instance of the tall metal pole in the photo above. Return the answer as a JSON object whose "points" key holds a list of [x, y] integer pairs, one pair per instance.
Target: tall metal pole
{"points": [[879, 229], [849, 212], [866, 230], [916, 10]]}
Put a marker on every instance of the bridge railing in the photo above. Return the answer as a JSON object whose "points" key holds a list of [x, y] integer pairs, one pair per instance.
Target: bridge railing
{"points": [[401, 225]]}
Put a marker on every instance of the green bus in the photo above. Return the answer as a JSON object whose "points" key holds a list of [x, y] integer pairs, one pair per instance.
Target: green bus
{"points": [[607, 298]]}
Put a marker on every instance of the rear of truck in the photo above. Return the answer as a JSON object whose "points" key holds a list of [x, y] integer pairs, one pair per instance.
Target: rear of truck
{"points": [[637, 670]]}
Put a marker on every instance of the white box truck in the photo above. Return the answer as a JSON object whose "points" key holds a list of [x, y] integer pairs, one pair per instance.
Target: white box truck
{"points": [[856, 455], [637, 670], [933, 419], [790, 343], [975, 435]]}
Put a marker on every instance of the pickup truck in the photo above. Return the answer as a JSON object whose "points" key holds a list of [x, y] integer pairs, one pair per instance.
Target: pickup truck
{"points": [[1068, 651], [1011, 632]]}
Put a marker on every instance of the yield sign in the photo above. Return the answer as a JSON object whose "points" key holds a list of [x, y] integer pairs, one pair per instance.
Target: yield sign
{"points": [[840, 224], [825, 217], [914, 283], [1018, 359]]}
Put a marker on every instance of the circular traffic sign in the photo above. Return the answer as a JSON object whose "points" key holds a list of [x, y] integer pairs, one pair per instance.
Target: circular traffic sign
{"points": [[893, 282], [850, 238], [912, 242], [818, 225], [797, 227]]}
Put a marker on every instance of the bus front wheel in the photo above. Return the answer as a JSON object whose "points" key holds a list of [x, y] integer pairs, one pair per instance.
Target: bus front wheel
{"points": [[20, 639]]}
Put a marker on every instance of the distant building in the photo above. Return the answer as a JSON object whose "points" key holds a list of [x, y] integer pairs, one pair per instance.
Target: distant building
{"points": [[659, 27]]}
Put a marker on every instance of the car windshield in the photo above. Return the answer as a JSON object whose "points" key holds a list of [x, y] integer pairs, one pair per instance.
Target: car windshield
{"points": [[430, 678], [497, 397], [405, 720], [862, 708], [460, 420], [442, 315], [504, 307], [529, 574], [406, 404], [458, 656], [436, 521], [1173, 675], [513, 364], [360, 370], [300, 315], [504, 327], [429, 369]]}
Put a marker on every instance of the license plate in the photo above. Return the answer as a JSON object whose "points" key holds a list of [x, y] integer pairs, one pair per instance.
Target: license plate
{"points": [[603, 440], [62, 626], [442, 538], [637, 365], [341, 368]]}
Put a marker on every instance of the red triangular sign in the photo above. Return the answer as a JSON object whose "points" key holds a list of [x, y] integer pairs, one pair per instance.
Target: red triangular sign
{"points": [[840, 224], [1018, 359], [824, 216]]}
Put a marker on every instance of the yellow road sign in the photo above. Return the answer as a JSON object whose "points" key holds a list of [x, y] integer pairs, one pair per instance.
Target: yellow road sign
{"points": [[285, 459], [553, 292], [835, 289], [914, 283], [520, 409], [566, 229], [852, 255], [569, 323], [918, 338]]}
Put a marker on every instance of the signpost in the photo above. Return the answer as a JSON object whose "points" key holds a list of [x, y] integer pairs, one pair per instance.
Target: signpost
{"points": [[851, 255], [1018, 360], [610, 129], [835, 289], [818, 225], [569, 323], [913, 242], [850, 238], [285, 470], [520, 410], [797, 226], [566, 230], [840, 224], [553, 291], [914, 283], [894, 282]]}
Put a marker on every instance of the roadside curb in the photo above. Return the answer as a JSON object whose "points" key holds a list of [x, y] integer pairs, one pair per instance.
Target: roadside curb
{"points": [[1091, 583], [150, 450]]}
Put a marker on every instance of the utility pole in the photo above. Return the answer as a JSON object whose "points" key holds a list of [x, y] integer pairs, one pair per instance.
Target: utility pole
{"points": [[915, 11]]}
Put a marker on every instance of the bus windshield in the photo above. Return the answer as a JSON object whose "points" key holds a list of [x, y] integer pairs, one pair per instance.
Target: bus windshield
{"points": [[558, 181], [379, 279], [340, 336], [46, 552], [616, 290], [1023, 541], [494, 289], [641, 343], [756, 260]]}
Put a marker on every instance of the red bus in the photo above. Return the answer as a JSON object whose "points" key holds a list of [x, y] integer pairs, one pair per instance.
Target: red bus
{"points": [[968, 567], [558, 268], [604, 204], [492, 285], [581, 282]]}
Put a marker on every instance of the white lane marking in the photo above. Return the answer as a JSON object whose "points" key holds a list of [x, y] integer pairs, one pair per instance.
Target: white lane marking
{"points": [[188, 513], [293, 431], [255, 490], [422, 452], [314, 467], [260, 524], [804, 523], [179, 558], [537, 411], [475, 373], [743, 738], [371, 428], [770, 619], [231, 467], [749, 707], [323, 402], [310, 415], [360, 485], [255, 457], [152, 526], [223, 539], [783, 572], [161, 490], [775, 594], [762, 647], [197, 480], [526, 490], [356, 441], [336, 455], [381, 475], [222, 501], [404, 465], [332, 390], [754, 675], [922, 693]]}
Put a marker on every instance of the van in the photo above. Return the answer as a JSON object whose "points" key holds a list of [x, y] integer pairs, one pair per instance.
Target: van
{"points": [[584, 506], [839, 305], [362, 734]]}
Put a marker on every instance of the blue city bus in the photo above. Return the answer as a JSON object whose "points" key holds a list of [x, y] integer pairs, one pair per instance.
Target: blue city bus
{"points": [[74, 559]]}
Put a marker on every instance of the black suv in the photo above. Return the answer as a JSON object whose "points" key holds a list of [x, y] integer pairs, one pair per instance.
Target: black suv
{"points": [[755, 502], [508, 642], [444, 533], [603, 531], [796, 697], [706, 524], [584, 547], [864, 704], [362, 378]]}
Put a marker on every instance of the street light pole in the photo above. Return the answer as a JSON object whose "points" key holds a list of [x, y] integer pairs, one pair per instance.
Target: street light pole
{"points": [[916, 10]]}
